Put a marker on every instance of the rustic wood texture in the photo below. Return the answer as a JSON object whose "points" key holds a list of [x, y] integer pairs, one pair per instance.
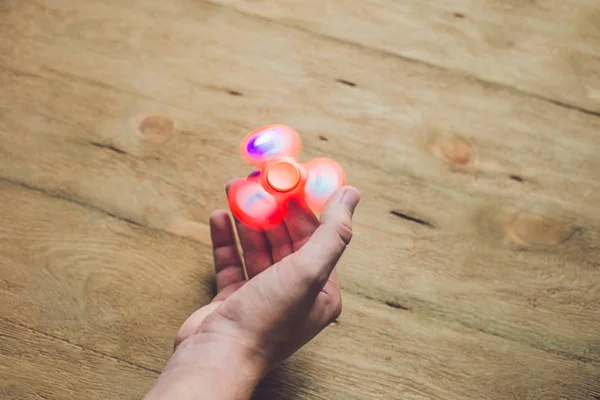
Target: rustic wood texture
{"points": [[474, 270], [548, 49], [37, 366], [89, 280]]}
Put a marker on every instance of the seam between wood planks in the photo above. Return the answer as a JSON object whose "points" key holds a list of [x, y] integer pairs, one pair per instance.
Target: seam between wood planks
{"points": [[79, 203], [56, 75], [84, 348], [430, 312], [411, 60], [559, 353], [82, 79], [459, 73], [388, 303]]}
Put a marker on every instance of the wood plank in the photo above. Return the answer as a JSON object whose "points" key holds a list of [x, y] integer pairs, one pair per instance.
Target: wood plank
{"points": [[163, 200], [550, 49], [68, 268], [88, 278], [515, 258], [36, 366], [397, 111]]}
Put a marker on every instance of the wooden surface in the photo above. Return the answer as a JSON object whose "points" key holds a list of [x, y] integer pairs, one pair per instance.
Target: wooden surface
{"points": [[471, 128]]}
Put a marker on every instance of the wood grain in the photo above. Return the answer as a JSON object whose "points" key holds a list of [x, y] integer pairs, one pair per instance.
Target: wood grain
{"points": [[82, 277], [478, 229], [395, 142], [106, 282], [548, 49], [38, 366]]}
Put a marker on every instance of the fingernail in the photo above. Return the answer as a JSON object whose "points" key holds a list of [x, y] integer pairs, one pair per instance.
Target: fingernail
{"points": [[350, 199]]}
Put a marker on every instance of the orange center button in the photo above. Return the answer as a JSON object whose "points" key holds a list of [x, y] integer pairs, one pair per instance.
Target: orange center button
{"points": [[283, 176]]}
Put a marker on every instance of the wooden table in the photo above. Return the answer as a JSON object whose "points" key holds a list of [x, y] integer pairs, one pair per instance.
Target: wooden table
{"points": [[471, 127]]}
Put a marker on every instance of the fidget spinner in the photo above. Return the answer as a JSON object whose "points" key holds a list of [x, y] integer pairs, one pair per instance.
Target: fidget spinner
{"points": [[260, 200]]}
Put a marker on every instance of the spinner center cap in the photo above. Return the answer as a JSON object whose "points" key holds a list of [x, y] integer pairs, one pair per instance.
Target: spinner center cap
{"points": [[283, 176]]}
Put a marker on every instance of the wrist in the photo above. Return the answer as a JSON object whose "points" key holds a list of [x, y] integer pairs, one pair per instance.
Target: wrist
{"points": [[204, 367]]}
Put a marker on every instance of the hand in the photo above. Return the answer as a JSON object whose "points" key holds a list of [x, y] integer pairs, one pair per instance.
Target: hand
{"points": [[226, 347]]}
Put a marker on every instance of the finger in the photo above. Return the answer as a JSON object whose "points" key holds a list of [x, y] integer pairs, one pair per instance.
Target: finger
{"points": [[317, 258], [256, 249], [257, 253], [300, 222], [279, 242], [228, 263]]}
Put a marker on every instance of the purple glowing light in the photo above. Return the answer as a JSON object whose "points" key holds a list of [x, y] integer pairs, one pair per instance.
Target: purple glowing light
{"points": [[267, 143]]}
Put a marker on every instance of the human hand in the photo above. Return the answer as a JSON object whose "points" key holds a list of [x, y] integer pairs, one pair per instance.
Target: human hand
{"points": [[226, 347]]}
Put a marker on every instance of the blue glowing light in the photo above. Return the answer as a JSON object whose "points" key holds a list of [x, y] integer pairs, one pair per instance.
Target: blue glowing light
{"points": [[254, 198], [320, 185]]}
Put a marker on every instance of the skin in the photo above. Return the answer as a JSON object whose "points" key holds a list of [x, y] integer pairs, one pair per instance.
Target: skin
{"points": [[225, 348]]}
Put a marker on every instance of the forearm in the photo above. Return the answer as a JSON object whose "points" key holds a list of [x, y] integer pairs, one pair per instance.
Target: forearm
{"points": [[202, 372], [201, 385]]}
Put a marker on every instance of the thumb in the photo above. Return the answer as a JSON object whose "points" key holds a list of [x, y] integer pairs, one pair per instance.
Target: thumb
{"points": [[319, 255]]}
